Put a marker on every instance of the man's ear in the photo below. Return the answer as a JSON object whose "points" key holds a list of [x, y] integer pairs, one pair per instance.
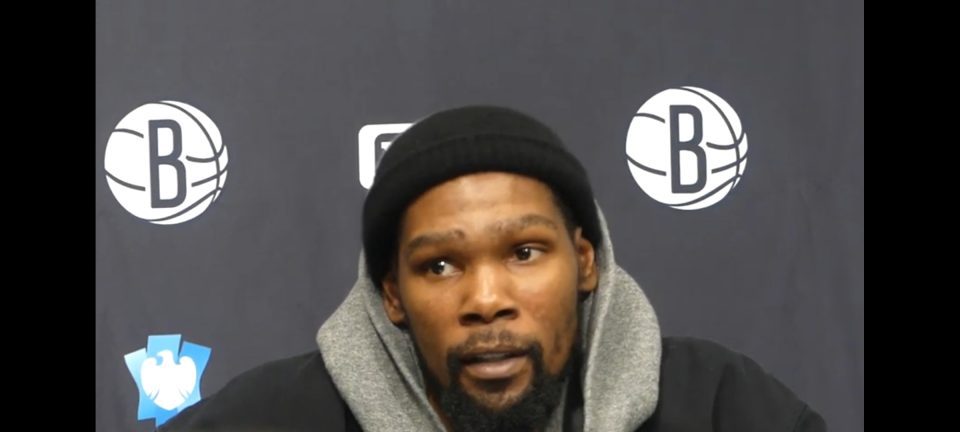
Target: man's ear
{"points": [[586, 262], [391, 299]]}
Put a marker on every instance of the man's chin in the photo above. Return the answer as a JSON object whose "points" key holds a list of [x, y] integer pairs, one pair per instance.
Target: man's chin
{"points": [[498, 397], [517, 406]]}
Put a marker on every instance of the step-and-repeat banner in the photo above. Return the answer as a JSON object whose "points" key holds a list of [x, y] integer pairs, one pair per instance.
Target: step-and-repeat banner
{"points": [[236, 141]]}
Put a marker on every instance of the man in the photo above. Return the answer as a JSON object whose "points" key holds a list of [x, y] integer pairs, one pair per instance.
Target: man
{"points": [[489, 299]]}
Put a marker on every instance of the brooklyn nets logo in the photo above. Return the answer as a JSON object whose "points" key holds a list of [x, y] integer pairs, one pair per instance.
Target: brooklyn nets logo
{"points": [[165, 162], [686, 148]]}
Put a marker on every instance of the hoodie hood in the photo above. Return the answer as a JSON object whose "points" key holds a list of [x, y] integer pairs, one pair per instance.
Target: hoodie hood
{"points": [[374, 366]]}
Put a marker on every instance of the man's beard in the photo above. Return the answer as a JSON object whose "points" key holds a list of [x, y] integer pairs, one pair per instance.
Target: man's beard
{"points": [[528, 411]]}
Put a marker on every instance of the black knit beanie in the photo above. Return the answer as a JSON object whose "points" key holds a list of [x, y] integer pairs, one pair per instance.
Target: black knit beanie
{"points": [[461, 141]]}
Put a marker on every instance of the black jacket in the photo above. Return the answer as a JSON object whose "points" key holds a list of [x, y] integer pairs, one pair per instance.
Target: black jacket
{"points": [[703, 387]]}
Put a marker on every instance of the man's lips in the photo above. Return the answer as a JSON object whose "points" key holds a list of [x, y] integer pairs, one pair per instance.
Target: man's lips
{"points": [[497, 363]]}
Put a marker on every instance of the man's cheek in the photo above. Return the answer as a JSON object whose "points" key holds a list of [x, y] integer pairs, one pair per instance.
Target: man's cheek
{"points": [[431, 348]]}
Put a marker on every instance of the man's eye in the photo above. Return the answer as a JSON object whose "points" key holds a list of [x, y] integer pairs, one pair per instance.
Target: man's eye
{"points": [[526, 253], [440, 267]]}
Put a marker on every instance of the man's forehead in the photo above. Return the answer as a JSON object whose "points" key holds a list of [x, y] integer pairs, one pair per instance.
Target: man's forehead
{"points": [[484, 189], [492, 226]]}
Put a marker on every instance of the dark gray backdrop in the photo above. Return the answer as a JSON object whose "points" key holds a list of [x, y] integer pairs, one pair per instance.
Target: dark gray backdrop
{"points": [[775, 270]]}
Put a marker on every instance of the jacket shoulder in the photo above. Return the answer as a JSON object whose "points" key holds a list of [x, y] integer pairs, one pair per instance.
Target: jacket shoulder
{"points": [[706, 386], [290, 394]]}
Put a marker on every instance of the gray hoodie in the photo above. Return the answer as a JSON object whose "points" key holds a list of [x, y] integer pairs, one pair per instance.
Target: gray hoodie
{"points": [[374, 367]]}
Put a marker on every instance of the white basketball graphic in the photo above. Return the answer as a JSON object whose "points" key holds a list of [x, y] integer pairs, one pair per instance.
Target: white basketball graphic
{"points": [[686, 148], [166, 162]]}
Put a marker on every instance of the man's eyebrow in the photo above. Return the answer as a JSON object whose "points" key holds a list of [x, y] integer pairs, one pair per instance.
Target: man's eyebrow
{"points": [[523, 222], [432, 238], [509, 225]]}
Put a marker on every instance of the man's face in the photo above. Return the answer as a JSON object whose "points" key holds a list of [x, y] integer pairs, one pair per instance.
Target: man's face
{"points": [[487, 274]]}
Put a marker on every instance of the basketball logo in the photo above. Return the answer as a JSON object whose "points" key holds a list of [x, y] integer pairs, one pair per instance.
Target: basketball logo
{"points": [[166, 162], [686, 148]]}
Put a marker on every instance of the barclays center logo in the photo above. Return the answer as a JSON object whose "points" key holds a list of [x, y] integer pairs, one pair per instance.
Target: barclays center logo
{"points": [[686, 148], [167, 375], [165, 162]]}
